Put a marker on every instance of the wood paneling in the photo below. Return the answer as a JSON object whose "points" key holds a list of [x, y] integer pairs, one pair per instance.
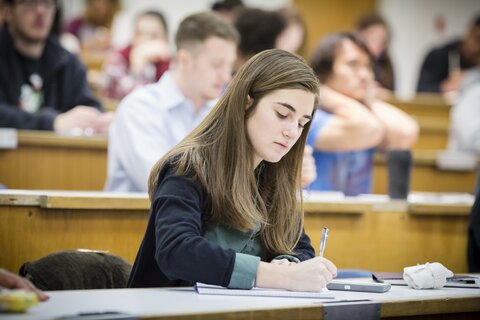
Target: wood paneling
{"points": [[363, 235], [44, 160], [425, 175], [323, 17]]}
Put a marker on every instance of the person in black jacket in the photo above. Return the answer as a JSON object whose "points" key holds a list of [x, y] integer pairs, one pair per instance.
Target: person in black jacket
{"points": [[473, 246], [225, 202], [42, 86], [442, 69]]}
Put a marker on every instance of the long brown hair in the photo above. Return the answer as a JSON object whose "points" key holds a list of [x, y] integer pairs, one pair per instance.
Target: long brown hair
{"points": [[383, 64], [220, 155]]}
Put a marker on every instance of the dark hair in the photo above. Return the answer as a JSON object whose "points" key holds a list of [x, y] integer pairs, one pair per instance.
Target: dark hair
{"points": [[476, 21], [258, 30], [226, 5], [383, 64], [326, 52], [155, 14], [198, 27], [371, 19]]}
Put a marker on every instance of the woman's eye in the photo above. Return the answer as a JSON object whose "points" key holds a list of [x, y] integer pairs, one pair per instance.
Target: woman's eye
{"points": [[281, 116], [301, 125]]}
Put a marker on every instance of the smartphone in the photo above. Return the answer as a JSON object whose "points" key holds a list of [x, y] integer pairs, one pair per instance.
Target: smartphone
{"points": [[346, 285]]}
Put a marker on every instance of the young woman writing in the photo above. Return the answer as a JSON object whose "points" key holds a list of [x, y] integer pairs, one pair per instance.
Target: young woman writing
{"points": [[226, 208]]}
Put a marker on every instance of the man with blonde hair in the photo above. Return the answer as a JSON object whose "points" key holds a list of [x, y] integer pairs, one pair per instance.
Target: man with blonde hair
{"points": [[154, 118]]}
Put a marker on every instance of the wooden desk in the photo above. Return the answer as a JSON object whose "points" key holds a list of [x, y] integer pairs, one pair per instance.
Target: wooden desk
{"points": [[390, 235], [44, 160], [425, 175], [36, 223], [433, 133], [364, 234], [183, 303], [424, 104]]}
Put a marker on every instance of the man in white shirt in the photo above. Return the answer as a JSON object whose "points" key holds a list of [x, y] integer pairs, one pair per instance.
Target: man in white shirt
{"points": [[154, 118]]}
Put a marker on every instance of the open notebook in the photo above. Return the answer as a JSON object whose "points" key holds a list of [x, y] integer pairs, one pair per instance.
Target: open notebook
{"points": [[458, 281], [202, 288]]}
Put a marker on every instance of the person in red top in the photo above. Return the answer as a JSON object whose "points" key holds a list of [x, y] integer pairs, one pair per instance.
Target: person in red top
{"points": [[143, 61]]}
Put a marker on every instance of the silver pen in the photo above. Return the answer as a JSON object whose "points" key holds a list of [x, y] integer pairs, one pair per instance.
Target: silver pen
{"points": [[323, 241]]}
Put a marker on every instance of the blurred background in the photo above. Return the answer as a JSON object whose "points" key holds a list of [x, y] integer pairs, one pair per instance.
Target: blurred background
{"points": [[416, 26]]}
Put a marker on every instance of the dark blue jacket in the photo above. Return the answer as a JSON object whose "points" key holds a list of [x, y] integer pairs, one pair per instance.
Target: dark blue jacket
{"points": [[174, 251], [65, 85]]}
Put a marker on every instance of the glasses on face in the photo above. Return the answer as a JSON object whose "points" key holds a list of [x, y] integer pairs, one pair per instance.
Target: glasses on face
{"points": [[30, 4]]}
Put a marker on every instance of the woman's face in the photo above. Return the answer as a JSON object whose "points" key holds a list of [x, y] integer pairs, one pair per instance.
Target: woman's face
{"points": [[376, 38], [352, 73], [149, 28], [277, 122]]}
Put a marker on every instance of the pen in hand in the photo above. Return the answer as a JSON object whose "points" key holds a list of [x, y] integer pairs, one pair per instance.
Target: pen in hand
{"points": [[323, 241]]}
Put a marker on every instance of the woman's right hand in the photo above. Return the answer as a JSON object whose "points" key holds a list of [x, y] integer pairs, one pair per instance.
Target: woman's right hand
{"points": [[309, 275]]}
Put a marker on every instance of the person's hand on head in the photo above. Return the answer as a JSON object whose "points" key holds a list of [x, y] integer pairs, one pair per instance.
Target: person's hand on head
{"points": [[452, 83], [10, 280], [309, 169], [381, 92], [80, 118], [149, 52]]}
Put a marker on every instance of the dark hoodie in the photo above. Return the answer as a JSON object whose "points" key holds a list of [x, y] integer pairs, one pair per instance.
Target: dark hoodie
{"points": [[64, 85]]}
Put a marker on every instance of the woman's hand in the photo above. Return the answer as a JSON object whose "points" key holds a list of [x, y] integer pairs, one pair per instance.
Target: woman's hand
{"points": [[309, 275]]}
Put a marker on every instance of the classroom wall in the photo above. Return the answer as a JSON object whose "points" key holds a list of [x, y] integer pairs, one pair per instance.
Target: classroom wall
{"points": [[414, 33]]}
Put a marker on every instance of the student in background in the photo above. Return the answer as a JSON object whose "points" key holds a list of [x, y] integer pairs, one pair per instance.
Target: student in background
{"points": [[9, 280], [42, 86], [225, 207], [350, 122], [259, 30], [443, 67], [464, 133], [143, 61], [154, 118], [373, 29], [227, 8], [473, 245], [292, 38], [92, 29]]}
